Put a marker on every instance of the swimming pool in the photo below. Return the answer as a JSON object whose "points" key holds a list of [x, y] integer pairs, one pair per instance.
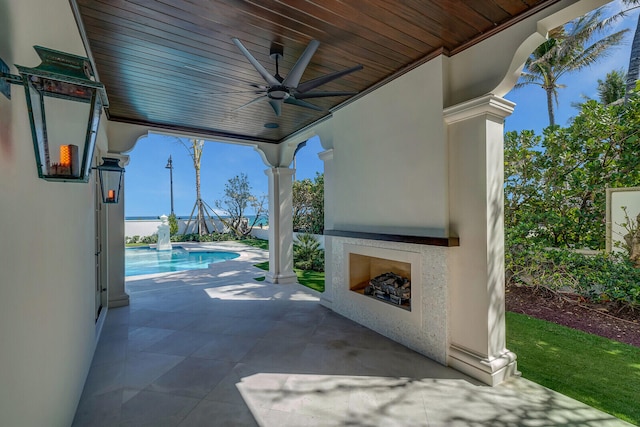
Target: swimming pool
{"points": [[143, 260]]}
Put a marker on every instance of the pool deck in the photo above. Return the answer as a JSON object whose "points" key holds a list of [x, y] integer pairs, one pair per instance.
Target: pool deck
{"points": [[215, 347]]}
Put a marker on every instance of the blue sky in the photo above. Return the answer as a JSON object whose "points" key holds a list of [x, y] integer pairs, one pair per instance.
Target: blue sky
{"points": [[148, 183], [147, 179], [531, 102]]}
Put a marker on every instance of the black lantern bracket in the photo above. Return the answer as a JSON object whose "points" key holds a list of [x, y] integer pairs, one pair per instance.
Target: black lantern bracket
{"points": [[7, 79]]}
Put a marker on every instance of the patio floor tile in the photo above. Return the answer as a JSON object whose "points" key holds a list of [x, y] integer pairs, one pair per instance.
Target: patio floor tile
{"points": [[216, 348]]}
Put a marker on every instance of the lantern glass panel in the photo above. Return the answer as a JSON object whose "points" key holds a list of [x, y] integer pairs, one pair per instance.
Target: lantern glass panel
{"points": [[63, 127], [110, 182]]}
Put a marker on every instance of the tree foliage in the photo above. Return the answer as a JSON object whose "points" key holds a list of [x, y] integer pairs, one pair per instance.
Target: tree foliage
{"points": [[569, 48], [613, 87], [308, 205], [237, 200], [555, 184]]}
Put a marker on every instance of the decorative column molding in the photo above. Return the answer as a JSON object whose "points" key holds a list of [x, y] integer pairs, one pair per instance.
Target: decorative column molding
{"points": [[114, 243], [477, 343], [280, 225]]}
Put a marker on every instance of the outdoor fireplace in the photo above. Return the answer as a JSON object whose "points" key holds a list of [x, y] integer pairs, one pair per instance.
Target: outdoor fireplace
{"points": [[419, 321], [387, 280]]}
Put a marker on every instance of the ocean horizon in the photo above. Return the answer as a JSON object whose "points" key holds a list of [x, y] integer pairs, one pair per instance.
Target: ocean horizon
{"points": [[185, 218]]}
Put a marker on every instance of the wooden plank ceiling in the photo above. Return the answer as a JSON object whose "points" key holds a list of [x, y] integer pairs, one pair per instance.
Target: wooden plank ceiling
{"points": [[172, 63]]}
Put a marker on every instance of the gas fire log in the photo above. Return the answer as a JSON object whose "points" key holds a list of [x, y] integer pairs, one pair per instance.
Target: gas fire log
{"points": [[391, 286]]}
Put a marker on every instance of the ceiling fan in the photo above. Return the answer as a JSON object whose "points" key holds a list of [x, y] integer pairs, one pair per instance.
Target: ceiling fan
{"points": [[289, 90]]}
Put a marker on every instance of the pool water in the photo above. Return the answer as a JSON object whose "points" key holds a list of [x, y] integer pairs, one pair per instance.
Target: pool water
{"points": [[139, 261]]}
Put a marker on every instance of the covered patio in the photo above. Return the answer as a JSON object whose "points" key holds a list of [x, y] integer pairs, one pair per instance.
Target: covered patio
{"points": [[413, 162], [216, 347]]}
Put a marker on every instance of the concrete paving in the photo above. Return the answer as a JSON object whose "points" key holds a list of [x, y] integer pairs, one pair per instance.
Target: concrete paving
{"points": [[215, 347]]}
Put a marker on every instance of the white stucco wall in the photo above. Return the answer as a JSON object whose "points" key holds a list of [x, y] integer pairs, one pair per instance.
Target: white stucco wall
{"points": [[47, 328], [617, 198], [389, 158], [147, 227]]}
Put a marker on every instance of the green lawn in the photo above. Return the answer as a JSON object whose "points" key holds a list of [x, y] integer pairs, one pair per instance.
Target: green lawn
{"points": [[602, 373], [310, 279], [258, 243]]}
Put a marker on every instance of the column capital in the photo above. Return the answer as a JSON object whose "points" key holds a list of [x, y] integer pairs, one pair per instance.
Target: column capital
{"points": [[326, 155], [280, 171], [490, 104]]}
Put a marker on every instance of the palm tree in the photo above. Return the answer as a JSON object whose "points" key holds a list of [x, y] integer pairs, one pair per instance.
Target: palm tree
{"points": [[613, 87], [566, 51], [633, 72], [195, 151]]}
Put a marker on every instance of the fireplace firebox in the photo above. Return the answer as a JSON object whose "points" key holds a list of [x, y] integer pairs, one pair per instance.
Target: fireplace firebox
{"points": [[386, 280]]}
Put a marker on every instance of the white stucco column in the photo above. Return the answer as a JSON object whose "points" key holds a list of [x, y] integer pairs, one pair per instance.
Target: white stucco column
{"points": [[327, 157], [114, 244], [280, 225], [476, 177]]}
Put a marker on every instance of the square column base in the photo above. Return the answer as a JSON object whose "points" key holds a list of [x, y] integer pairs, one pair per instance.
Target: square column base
{"points": [[283, 279], [491, 371], [119, 301]]}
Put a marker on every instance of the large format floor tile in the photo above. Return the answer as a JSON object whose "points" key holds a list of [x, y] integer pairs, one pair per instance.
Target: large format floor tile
{"points": [[215, 347]]}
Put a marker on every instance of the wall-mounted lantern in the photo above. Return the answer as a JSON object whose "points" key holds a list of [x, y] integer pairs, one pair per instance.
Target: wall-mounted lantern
{"points": [[64, 103], [110, 174]]}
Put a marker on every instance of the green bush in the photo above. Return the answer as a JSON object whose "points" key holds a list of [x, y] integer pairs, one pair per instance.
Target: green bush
{"points": [[150, 239], [195, 237], [173, 224], [307, 254], [599, 278]]}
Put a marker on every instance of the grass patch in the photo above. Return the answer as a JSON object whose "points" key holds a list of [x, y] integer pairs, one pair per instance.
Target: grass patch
{"points": [[257, 243], [602, 373], [135, 245], [311, 279], [263, 265]]}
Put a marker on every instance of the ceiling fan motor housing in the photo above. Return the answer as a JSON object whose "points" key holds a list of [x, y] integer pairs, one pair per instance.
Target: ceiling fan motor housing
{"points": [[278, 92]]}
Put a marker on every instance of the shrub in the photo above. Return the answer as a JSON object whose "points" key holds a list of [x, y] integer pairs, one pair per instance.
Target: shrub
{"points": [[307, 254], [150, 239], [173, 224], [600, 278], [195, 237]]}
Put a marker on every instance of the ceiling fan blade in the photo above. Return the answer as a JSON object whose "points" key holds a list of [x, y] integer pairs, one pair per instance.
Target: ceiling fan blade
{"points": [[276, 104], [222, 76], [253, 101], [323, 94], [312, 84], [263, 72], [291, 100], [295, 74]]}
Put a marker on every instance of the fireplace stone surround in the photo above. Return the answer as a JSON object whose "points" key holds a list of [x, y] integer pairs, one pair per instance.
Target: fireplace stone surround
{"points": [[424, 328]]}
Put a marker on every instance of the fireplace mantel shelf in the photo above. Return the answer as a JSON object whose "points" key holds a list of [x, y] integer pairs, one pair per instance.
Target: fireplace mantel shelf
{"points": [[419, 240]]}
